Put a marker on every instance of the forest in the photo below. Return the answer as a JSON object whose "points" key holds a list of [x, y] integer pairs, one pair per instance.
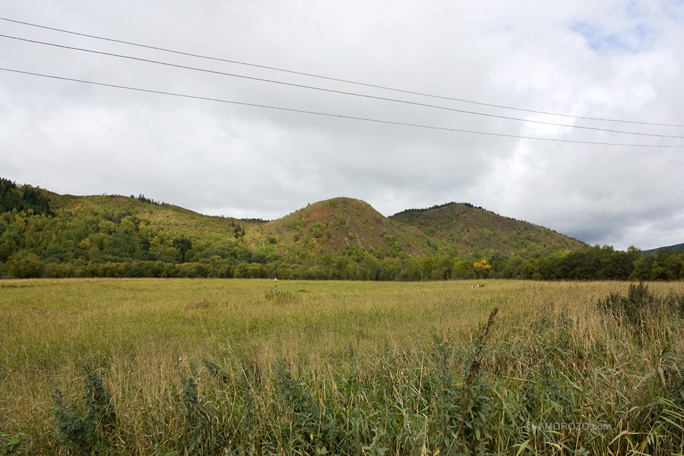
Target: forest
{"points": [[116, 240]]}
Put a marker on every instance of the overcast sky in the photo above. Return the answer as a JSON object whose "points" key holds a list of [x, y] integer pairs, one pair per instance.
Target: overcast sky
{"points": [[616, 60]]}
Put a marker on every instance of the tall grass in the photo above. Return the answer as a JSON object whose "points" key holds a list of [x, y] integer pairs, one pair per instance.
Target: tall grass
{"points": [[213, 367]]}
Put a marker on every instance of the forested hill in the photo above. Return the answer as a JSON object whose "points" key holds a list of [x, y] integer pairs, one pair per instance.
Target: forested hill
{"points": [[672, 248], [44, 234], [339, 225], [473, 228]]}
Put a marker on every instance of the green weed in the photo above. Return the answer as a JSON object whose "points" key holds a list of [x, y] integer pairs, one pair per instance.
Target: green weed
{"points": [[82, 428]]}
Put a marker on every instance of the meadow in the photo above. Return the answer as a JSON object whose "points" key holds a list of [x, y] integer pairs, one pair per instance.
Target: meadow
{"points": [[212, 366]]}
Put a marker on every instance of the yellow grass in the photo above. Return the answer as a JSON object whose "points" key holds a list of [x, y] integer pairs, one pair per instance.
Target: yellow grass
{"points": [[146, 333]]}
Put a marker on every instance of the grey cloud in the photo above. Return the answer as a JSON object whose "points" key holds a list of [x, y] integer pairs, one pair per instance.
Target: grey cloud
{"points": [[587, 58]]}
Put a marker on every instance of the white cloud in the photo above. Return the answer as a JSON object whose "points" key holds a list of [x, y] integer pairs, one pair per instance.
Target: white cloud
{"points": [[606, 59]]}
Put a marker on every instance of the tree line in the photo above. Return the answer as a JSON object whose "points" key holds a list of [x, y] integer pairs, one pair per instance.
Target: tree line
{"points": [[37, 245]]}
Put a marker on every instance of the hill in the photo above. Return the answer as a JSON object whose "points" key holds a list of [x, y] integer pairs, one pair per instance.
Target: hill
{"points": [[44, 234], [152, 214], [341, 224], [672, 248], [472, 229]]}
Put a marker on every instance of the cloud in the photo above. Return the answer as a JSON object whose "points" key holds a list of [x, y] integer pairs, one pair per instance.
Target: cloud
{"points": [[604, 59]]}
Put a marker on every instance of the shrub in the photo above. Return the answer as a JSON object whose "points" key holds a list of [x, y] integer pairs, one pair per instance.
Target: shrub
{"points": [[633, 308], [80, 432], [26, 265], [304, 411], [201, 429]]}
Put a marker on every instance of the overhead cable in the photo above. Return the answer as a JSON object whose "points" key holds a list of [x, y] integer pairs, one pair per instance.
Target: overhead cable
{"points": [[346, 81], [340, 116], [322, 89]]}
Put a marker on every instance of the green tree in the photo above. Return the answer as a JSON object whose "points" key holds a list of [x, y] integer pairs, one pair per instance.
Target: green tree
{"points": [[183, 244], [514, 268], [10, 238], [462, 269], [25, 198], [27, 265]]}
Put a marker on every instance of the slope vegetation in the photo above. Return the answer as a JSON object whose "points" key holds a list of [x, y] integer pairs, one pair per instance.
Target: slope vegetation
{"points": [[341, 224], [44, 234], [472, 229], [671, 248]]}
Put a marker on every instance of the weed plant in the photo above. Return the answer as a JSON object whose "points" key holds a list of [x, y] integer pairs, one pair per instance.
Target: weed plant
{"points": [[83, 427]]}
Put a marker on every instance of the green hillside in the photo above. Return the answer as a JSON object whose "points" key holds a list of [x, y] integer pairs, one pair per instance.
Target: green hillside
{"points": [[671, 248], [44, 234], [474, 230], [342, 224]]}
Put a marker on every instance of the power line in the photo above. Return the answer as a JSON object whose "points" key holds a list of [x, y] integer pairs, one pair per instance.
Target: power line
{"points": [[346, 81], [322, 89], [340, 116]]}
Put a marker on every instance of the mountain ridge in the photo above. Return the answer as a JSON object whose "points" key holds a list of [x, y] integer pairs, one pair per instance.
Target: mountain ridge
{"points": [[342, 223], [45, 234], [339, 224], [671, 248], [473, 225]]}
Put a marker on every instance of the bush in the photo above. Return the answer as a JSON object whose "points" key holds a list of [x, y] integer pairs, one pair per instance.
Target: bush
{"points": [[633, 308], [201, 433], [81, 430], [25, 266]]}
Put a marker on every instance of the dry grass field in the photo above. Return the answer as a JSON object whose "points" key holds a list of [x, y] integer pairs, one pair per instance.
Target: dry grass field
{"points": [[166, 366]]}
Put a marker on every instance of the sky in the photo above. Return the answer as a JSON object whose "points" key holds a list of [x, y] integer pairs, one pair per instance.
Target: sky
{"points": [[566, 114]]}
